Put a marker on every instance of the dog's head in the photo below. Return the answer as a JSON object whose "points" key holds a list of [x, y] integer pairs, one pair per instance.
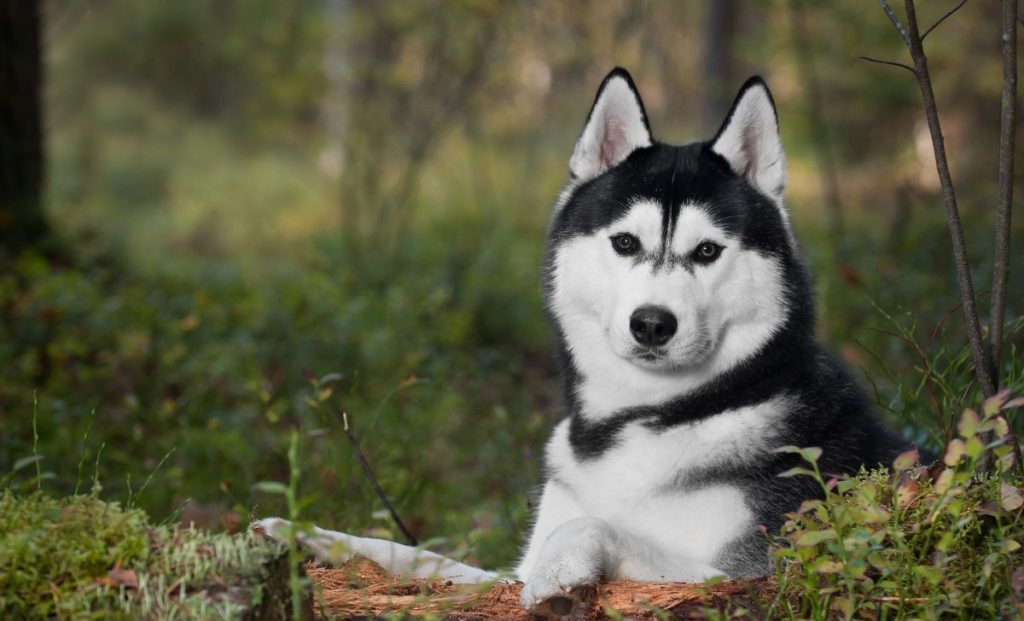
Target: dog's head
{"points": [[670, 259]]}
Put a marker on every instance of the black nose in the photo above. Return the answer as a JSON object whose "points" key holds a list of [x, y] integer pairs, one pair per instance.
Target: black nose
{"points": [[652, 325]]}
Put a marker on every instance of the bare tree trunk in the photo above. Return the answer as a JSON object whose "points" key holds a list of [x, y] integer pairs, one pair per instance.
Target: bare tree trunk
{"points": [[21, 138], [912, 37], [719, 64], [1004, 209]]}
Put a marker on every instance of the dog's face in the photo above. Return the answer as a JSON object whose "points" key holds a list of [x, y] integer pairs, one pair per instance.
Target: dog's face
{"points": [[670, 259]]}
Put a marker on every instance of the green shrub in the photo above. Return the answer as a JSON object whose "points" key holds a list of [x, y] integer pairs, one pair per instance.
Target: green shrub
{"points": [[920, 542]]}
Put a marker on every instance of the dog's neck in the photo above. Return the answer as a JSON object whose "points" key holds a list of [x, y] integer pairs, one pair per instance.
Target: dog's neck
{"points": [[778, 367]]}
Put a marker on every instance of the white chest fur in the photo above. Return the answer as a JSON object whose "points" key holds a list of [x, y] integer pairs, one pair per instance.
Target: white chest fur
{"points": [[636, 485]]}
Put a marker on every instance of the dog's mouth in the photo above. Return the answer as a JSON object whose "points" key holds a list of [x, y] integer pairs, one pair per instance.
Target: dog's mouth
{"points": [[649, 355], [662, 360]]}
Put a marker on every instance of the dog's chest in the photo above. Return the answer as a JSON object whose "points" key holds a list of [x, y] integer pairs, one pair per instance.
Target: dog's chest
{"points": [[655, 483]]}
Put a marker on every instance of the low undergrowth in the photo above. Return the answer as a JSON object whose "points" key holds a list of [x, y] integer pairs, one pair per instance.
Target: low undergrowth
{"points": [[80, 557], [916, 542], [910, 542]]}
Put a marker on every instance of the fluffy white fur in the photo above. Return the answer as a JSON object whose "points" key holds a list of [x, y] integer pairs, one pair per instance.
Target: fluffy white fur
{"points": [[623, 516], [725, 310]]}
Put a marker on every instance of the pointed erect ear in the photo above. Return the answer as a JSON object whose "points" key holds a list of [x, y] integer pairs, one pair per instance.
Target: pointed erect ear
{"points": [[616, 126], [749, 140]]}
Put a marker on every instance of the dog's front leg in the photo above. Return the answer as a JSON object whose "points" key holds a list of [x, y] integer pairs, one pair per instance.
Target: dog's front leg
{"points": [[582, 551], [557, 506], [571, 562]]}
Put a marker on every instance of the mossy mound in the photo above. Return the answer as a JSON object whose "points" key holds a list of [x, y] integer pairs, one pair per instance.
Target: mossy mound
{"points": [[80, 557]]}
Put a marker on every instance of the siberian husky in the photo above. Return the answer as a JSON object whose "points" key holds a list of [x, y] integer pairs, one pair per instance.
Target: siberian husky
{"points": [[684, 320]]}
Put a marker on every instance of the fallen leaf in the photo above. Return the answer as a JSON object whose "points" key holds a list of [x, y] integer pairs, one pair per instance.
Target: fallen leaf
{"points": [[1010, 497], [906, 493], [117, 577]]}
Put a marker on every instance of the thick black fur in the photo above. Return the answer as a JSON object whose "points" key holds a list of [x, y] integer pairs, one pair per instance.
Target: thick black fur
{"points": [[830, 409]]}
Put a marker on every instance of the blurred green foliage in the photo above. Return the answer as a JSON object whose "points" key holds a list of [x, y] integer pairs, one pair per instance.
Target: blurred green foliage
{"points": [[229, 247]]}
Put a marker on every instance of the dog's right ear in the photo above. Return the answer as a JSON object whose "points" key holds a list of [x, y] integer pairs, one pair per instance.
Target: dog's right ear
{"points": [[617, 125]]}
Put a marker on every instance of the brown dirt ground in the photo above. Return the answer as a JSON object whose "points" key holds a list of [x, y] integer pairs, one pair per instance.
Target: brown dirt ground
{"points": [[361, 589]]}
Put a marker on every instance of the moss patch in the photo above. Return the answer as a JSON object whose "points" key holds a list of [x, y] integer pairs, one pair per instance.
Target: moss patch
{"points": [[80, 556]]}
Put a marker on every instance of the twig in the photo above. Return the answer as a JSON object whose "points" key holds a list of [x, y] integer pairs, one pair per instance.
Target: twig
{"points": [[929, 373], [1001, 265], [888, 62], [1007, 138], [943, 18], [979, 352], [373, 481], [900, 28]]}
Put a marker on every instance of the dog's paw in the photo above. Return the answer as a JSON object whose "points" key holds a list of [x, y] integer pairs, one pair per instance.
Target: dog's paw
{"points": [[561, 592], [573, 604]]}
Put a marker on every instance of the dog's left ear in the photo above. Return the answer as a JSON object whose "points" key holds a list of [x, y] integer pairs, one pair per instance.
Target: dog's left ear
{"points": [[749, 139], [617, 126]]}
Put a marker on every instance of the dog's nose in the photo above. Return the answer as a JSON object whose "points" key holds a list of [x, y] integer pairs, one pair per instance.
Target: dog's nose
{"points": [[652, 325]]}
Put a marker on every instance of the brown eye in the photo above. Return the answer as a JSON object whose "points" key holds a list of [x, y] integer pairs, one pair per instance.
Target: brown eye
{"points": [[707, 252], [625, 244]]}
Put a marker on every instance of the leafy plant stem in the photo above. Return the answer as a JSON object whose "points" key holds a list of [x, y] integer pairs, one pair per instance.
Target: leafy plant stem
{"points": [[35, 440], [81, 457]]}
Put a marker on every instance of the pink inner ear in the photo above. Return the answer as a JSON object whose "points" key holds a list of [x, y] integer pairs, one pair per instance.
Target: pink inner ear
{"points": [[613, 146], [750, 149]]}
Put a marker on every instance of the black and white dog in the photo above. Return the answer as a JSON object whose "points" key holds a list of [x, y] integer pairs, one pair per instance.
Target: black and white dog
{"points": [[685, 323]]}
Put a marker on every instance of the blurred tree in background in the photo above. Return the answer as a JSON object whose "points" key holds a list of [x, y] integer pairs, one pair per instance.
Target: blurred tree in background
{"points": [[21, 137], [262, 193]]}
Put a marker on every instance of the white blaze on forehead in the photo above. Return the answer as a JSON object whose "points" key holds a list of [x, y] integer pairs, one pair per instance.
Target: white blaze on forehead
{"points": [[645, 220], [642, 220], [693, 226]]}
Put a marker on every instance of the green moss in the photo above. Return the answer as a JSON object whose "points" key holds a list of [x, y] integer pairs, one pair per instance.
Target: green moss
{"points": [[82, 557], [53, 550]]}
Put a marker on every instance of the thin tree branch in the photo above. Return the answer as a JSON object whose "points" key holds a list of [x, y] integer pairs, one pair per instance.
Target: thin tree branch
{"points": [[1007, 139], [943, 18], [373, 481], [979, 350], [888, 62], [900, 28]]}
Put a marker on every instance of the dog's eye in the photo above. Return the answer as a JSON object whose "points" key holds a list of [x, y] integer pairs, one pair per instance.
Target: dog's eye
{"points": [[707, 252], [625, 244]]}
